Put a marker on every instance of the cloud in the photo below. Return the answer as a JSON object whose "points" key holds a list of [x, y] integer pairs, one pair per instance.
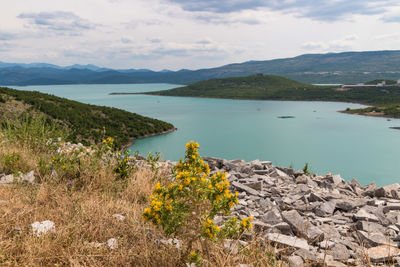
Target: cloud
{"points": [[58, 21], [5, 47], [6, 36], [395, 19], [216, 18], [133, 24], [390, 36], [343, 44], [322, 10]]}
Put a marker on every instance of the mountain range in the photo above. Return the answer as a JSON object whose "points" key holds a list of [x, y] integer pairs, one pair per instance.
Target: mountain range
{"points": [[345, 67]]}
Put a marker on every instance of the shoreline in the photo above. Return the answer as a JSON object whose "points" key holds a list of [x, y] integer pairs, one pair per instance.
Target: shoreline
{"points": [[368, 114], [132, 139]]}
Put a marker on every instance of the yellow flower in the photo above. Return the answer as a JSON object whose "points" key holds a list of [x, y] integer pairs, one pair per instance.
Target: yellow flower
{"points": [[193, 253], [209, 221], [217, 198], [158, 186], [210, 186]]}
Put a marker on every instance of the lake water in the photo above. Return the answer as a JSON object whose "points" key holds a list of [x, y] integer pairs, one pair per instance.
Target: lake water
{"points": [[350, 145]]}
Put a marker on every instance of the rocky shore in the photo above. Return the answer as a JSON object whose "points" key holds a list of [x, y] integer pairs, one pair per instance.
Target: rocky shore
{"points": [[319, 219]]}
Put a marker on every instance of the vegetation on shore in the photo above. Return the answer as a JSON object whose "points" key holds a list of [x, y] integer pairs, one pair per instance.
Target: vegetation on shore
{"points": [[385, 100], [88, 124], [93, 194]]}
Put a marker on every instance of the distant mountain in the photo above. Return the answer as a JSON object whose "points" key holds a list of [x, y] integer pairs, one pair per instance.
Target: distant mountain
{"points": [[347, 67]]}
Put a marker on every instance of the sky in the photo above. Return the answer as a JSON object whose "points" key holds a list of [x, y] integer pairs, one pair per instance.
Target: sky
{"points": [[190, 34]]}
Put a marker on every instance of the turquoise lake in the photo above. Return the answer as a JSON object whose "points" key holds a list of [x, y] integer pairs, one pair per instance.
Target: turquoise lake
{"points": [[349, 145]]}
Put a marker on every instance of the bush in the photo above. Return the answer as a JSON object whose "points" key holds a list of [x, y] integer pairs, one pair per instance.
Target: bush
{"points": [[187, 205]]}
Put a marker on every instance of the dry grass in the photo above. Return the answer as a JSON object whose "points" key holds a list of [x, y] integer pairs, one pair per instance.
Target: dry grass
{"points": [[83, 216]]}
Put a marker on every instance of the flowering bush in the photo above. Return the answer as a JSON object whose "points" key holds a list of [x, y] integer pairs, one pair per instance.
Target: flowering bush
{"points": [[187, 205]]}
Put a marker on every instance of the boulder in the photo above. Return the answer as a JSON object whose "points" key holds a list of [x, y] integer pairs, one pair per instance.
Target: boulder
{"points": [[339, 252], [363, 215], [242, 187], [272, 217], [44, 227], [286, 240], [374, 239], [326, 208], [295, 261], [385, 191], [382, 254], [112, 243], [302, 227]]}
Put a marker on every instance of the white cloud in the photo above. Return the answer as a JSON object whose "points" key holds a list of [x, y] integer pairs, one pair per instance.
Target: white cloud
{"points": [[163, 34]]}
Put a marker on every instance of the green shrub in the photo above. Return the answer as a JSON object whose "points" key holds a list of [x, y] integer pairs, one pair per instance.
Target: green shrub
{"points": [[187, 205]]}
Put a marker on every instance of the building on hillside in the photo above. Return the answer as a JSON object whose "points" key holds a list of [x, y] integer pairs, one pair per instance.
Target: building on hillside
{"points": [[398, 81]]}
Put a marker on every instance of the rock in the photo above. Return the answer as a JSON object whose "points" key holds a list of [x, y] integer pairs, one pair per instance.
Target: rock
{"points": [[330, 232], [29, 177], [370, 227], [363, 215], [242, 187], [354, 183], [231, 246], [391, 206], [112, 243], [369, 190], [335, 179], [349, 204], [301, 179], [394, 194], [382, 254], [272, 217], [7, 179], [332, 263], [286, 240], [119, 217], [284, 228], [326, 208], [374, 239], [170, 241], [339, 252], [301, 227], [256, 186], [44, 227], [314, 197], [385, 191], [295, 261]]}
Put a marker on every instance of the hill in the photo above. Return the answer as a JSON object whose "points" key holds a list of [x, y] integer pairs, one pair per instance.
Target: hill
{"points": [[87, 123], [385, 100], [346, 67]]}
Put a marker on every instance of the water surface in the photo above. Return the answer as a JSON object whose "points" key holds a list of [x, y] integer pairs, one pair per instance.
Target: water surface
{"points": [[353, 146]]}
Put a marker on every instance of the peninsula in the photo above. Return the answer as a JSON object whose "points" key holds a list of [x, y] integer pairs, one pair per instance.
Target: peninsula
{"points": [[383, 99], [87, 124]]}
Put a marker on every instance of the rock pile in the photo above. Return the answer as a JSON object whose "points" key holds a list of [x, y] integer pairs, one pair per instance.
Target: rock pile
{"points": [[320, 218]]}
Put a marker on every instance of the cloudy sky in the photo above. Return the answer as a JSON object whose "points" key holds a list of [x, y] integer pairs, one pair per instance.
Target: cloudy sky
{"points": [[192, 34]]}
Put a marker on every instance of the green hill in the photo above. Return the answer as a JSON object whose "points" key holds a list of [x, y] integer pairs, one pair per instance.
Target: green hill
{"points": [[385, 100], [87, 123], [257, 86]]}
